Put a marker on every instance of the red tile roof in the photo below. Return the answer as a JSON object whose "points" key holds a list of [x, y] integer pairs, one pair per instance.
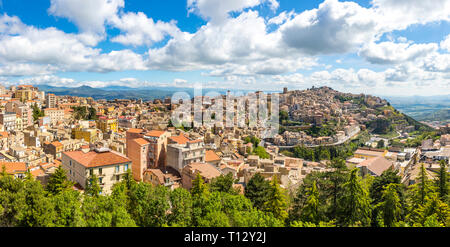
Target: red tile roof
{"points": [[13, 167], [181, 139], [96, 159], [211, 156], [155, 133]]}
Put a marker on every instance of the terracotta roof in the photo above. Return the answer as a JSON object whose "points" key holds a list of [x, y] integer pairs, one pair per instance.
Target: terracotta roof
{"points": [[211, 156], [13, 167], [135, 130], [181, 139], [155, 133], [206, 170], [377, 165], [56, 144], [37, 172], [4, 134], [96, 159], [141, 141]]}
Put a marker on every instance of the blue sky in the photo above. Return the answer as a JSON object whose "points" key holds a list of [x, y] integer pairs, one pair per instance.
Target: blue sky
{"points": [[384, 47]]}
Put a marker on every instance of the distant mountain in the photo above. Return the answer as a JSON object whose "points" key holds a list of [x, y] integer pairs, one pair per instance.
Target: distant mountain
{"points": [[423, 108], [122, 92]]}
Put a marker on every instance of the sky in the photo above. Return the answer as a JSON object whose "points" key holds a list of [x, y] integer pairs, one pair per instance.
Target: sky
{"points": [[381, 47]]}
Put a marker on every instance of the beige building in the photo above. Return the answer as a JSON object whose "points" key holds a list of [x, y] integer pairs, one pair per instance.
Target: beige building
{"points": [[181, 155], [50, 100], [54, 114], [109, 166]]}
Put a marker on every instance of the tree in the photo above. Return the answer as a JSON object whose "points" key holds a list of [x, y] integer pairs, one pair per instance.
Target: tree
{"points": [[390, 205], [380, 144], [378, 187], [354, 205], [37, 112], [58, 181], [310, 212], [257, 190], [223, 184], [67, 205], [276, 203], [442, 180], [92, 186], [261, 152], [181, 208]]}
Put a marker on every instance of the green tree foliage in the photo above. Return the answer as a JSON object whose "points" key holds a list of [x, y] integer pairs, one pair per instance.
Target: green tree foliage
{"points": [[257, 190], [223, 184], [390, 206], [92, 186], [261, 152], [442, 181], [37, 112], [276, 203], [354, 205], [58, 181], [310, 212]]}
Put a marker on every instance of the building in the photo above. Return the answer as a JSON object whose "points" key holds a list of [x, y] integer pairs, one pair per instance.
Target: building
{"points": [[15, 169], [56, 115], [375, 166], [181, 155], [107, 124], [367, 153], [87, 134], [8, 120], [189, 173], [168, 178], [50, 100], [146, 149], [109, 166]]}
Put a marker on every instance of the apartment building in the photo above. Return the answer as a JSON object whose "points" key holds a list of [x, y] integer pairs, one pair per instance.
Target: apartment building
{"points": [[181, 155], [55, 115], [8, 120], [106, 124], [109, 166], [50, 100], [146, 149]]}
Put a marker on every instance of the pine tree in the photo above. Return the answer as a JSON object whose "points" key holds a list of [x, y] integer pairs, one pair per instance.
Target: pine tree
{"points": [[276, 201], [390, 206], [354, 204], [257, 190], [310, 213], [442, 180], [58, 181]]}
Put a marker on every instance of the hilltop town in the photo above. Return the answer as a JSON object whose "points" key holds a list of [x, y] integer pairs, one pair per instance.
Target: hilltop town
{"points": [[40, 132]]}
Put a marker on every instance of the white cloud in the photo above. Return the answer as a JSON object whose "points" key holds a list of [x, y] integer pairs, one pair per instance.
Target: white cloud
{"points": [[217, 10], [89, 15], [399, 14], [394, 53], [445, 44], [139, 29], [335, 27]]}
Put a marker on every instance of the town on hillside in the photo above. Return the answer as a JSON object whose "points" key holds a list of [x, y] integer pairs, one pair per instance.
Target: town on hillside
{"points": [[108, 139]]}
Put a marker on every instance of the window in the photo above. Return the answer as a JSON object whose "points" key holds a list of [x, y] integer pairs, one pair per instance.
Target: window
{"points": [[118, 177], [91, 172], [100, 171], [70, 162], [125, 167], [100, 180], [117, 168]]}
